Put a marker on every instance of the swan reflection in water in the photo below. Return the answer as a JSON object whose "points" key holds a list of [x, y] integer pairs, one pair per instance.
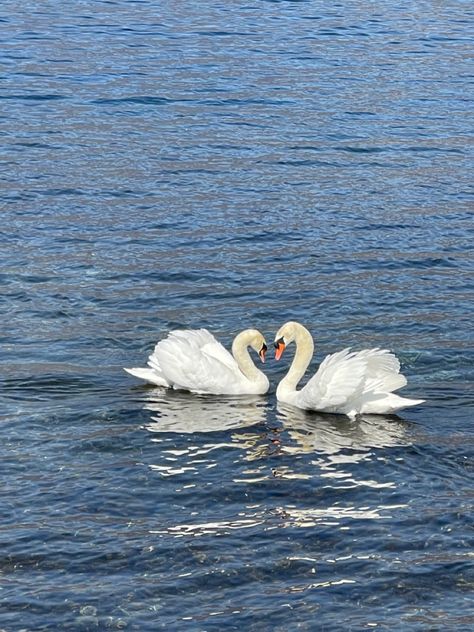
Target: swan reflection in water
{"points": [[335, 440], [330, 434], [329, 450], [182, 412], [335, 446]]}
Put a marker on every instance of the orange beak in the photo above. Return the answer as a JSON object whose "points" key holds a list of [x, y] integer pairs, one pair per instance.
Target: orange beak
{"points": [[279, 348], [262, 353]]}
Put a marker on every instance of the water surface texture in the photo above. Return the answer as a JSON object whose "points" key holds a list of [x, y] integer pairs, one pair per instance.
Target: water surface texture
{"points": [[225, 165]]}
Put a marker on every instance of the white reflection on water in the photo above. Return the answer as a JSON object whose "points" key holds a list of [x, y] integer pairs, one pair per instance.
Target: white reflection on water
{"points": [[337, 442], [330, 434], [186, 413], [326, 448], [333, 516], [282, 518], [210, 528], [340, 443]]}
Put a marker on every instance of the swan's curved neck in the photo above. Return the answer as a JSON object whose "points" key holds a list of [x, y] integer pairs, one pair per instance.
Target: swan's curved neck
{"points": [[303, 355], [242, 357]]}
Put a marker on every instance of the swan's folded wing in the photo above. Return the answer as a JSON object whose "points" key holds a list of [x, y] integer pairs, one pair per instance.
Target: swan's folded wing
{"points": [[218, 352], [209, 346], [185, 360], [180, 340], [339, 379]]}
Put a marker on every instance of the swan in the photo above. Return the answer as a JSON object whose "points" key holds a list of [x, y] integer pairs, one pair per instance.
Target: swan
{"points": [[349, 383], [193, 360]]}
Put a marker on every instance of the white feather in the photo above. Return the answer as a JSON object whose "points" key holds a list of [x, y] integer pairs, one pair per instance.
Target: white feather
{"points": [[357, 382], [149, 375]]}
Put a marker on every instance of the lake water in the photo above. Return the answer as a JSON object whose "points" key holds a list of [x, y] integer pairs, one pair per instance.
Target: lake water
{"points": [[227, 165]]}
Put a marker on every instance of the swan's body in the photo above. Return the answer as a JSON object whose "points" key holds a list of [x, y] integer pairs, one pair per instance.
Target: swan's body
{"points": [[193, 360], [348, 383]]}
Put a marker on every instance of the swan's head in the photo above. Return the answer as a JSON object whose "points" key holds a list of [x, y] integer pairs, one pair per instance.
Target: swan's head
{"points": [[258, 344], [285, 335], [254, 339]]}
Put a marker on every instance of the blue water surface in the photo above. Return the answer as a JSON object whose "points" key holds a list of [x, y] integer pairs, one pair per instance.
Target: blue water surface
{"points": [[226, 165]]}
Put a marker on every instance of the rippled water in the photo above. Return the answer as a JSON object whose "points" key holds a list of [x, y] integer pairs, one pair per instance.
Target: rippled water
{"points": [[225, 165]]}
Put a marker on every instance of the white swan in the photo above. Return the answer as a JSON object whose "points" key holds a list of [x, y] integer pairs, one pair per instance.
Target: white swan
{"points": [[193, 360], [349, 383]]}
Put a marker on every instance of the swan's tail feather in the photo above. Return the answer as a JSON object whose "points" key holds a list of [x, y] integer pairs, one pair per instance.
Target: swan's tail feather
{"points": [[154, 364], [388, 404], [149, 375], [411, 402]]}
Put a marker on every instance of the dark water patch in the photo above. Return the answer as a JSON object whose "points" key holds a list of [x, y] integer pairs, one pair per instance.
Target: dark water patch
{"points": [[45, 387], [36, 145], [141, 100], [420, 148], [360, 113], [422, 263], [33, 97], [383, 227], [362, 150]]}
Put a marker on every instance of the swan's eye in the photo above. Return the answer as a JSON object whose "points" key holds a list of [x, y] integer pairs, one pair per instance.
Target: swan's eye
{"points": [[278, 342], [262, 352], [279, 348]]}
